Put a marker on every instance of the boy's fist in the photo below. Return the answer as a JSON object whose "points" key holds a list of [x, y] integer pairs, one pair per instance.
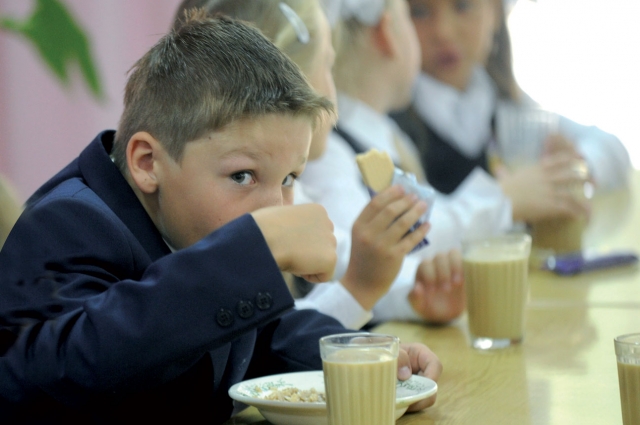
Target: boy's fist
{"points": [[301, 239]]}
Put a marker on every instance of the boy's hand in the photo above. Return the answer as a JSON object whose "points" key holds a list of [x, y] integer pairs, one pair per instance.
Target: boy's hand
{"points": [[540, 191], [419, 359], [379, 243], [301, 239], [438, 294]]}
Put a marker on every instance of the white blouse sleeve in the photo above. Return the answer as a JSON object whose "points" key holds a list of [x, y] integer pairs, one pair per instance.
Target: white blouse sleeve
{"points": [[334, 300]]}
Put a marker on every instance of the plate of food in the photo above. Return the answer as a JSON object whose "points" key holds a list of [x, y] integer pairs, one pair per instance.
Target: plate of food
{"points": [[295, 398]]}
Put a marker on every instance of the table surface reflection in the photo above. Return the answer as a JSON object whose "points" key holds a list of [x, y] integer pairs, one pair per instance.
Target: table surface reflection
{"points": [[615, 225], [565, 370]]}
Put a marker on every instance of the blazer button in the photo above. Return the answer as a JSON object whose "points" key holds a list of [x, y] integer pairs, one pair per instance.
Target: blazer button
{"points": [[224, 318], [264, 300], [245, 309]]}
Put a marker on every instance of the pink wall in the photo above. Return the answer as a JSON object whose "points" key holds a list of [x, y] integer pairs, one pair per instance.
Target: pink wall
{"points": [[44, 125]]}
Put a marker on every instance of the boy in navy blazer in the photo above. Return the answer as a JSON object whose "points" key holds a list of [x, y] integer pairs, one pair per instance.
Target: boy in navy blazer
{"points": [[144, 279]]}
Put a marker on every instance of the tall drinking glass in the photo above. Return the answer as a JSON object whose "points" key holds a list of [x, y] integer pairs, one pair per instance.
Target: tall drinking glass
{"points": [[496, 284], [360, 372], [628, 356], [521, 133]]}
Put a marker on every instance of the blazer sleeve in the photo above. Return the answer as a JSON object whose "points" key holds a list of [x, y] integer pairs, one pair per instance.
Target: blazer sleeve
{"points": [[84, 310], [291, 343]]}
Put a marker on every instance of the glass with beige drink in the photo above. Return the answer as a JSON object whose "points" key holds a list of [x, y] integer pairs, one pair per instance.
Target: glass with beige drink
{"points": [[563, 235], [521, 132], [360, 372], [628, 355], [495, 272]]}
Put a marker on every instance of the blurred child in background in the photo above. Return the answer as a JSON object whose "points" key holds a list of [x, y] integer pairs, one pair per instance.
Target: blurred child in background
{"points": [[466, 80], [378, 58]]}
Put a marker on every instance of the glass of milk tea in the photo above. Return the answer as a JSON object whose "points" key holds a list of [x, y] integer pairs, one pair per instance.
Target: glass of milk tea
{"points": [[497, 289], [521, 132], [360, 375], [628, 355]]}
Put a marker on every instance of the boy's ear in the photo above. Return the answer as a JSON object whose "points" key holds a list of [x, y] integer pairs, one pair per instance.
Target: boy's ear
{"points": [[382, 34], [142, 154]]}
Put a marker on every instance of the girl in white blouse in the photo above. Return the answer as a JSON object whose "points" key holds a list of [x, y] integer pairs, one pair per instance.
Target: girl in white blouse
{"points": [[460, 99]]}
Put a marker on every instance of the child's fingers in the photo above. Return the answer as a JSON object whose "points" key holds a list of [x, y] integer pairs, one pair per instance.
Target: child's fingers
{"points": [[557, 143], [403, 222], [457, 272], [404, 365], [423, 361], [379, 202], [410, 240], [426, 275], [412, 358], [443, 272], [393, 211], [564, 168]]}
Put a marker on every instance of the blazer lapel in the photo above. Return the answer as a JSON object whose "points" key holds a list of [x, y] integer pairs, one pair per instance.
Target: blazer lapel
{"points": [[105, 179]]}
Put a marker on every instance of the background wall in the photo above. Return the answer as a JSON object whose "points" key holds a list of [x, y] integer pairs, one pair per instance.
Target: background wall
{"points": [[578, 57], [44, 125]]}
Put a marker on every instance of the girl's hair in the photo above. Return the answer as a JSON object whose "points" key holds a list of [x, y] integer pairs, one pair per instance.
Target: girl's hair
{"points": [[269, 17], [500, 62], [346, 41]]}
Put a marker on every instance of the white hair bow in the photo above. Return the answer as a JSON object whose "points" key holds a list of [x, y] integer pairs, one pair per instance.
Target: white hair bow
{"points": [[302, 32], [367, 12]]}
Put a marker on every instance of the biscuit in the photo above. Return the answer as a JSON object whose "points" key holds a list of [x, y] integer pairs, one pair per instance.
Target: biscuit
{"points": [[376, 168]]}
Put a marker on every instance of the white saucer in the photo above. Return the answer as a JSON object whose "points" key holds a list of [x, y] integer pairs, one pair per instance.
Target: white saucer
{"points": [[254, 391]]}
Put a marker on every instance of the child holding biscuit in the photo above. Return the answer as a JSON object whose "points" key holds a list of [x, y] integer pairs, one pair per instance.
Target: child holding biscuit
{"points": [[376, 43], [145, 278]]}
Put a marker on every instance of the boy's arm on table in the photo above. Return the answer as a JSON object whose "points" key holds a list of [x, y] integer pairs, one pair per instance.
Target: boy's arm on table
{"points": [[291, 343], [84, 326]]}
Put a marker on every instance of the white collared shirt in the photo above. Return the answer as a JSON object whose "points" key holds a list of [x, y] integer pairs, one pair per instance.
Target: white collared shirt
{"points": [[463, 119], [478, 207]]}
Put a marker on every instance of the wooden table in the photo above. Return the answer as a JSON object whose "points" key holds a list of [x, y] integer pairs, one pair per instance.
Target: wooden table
{"points": [[565, 371], [615, 225]]}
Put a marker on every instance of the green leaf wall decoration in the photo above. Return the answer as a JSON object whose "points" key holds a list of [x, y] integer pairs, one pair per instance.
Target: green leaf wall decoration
{"points": [[60, 41]]}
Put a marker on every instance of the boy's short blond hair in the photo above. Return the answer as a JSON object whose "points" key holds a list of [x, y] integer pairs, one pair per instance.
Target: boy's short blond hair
{"points": [[204, 75]]}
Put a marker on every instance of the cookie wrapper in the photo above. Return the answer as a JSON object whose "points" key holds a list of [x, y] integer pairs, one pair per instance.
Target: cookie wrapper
{"points": [[426, 193]]}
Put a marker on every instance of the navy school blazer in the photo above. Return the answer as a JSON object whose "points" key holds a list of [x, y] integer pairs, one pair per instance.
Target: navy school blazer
{"points": [[100, 322]]}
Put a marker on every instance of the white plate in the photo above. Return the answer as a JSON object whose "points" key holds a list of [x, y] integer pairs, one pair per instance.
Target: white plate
{"points": [[253, 391]]}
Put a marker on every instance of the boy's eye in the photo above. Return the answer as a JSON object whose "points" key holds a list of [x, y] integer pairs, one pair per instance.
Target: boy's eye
{"points": [[242, 177], [289, 180]]}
